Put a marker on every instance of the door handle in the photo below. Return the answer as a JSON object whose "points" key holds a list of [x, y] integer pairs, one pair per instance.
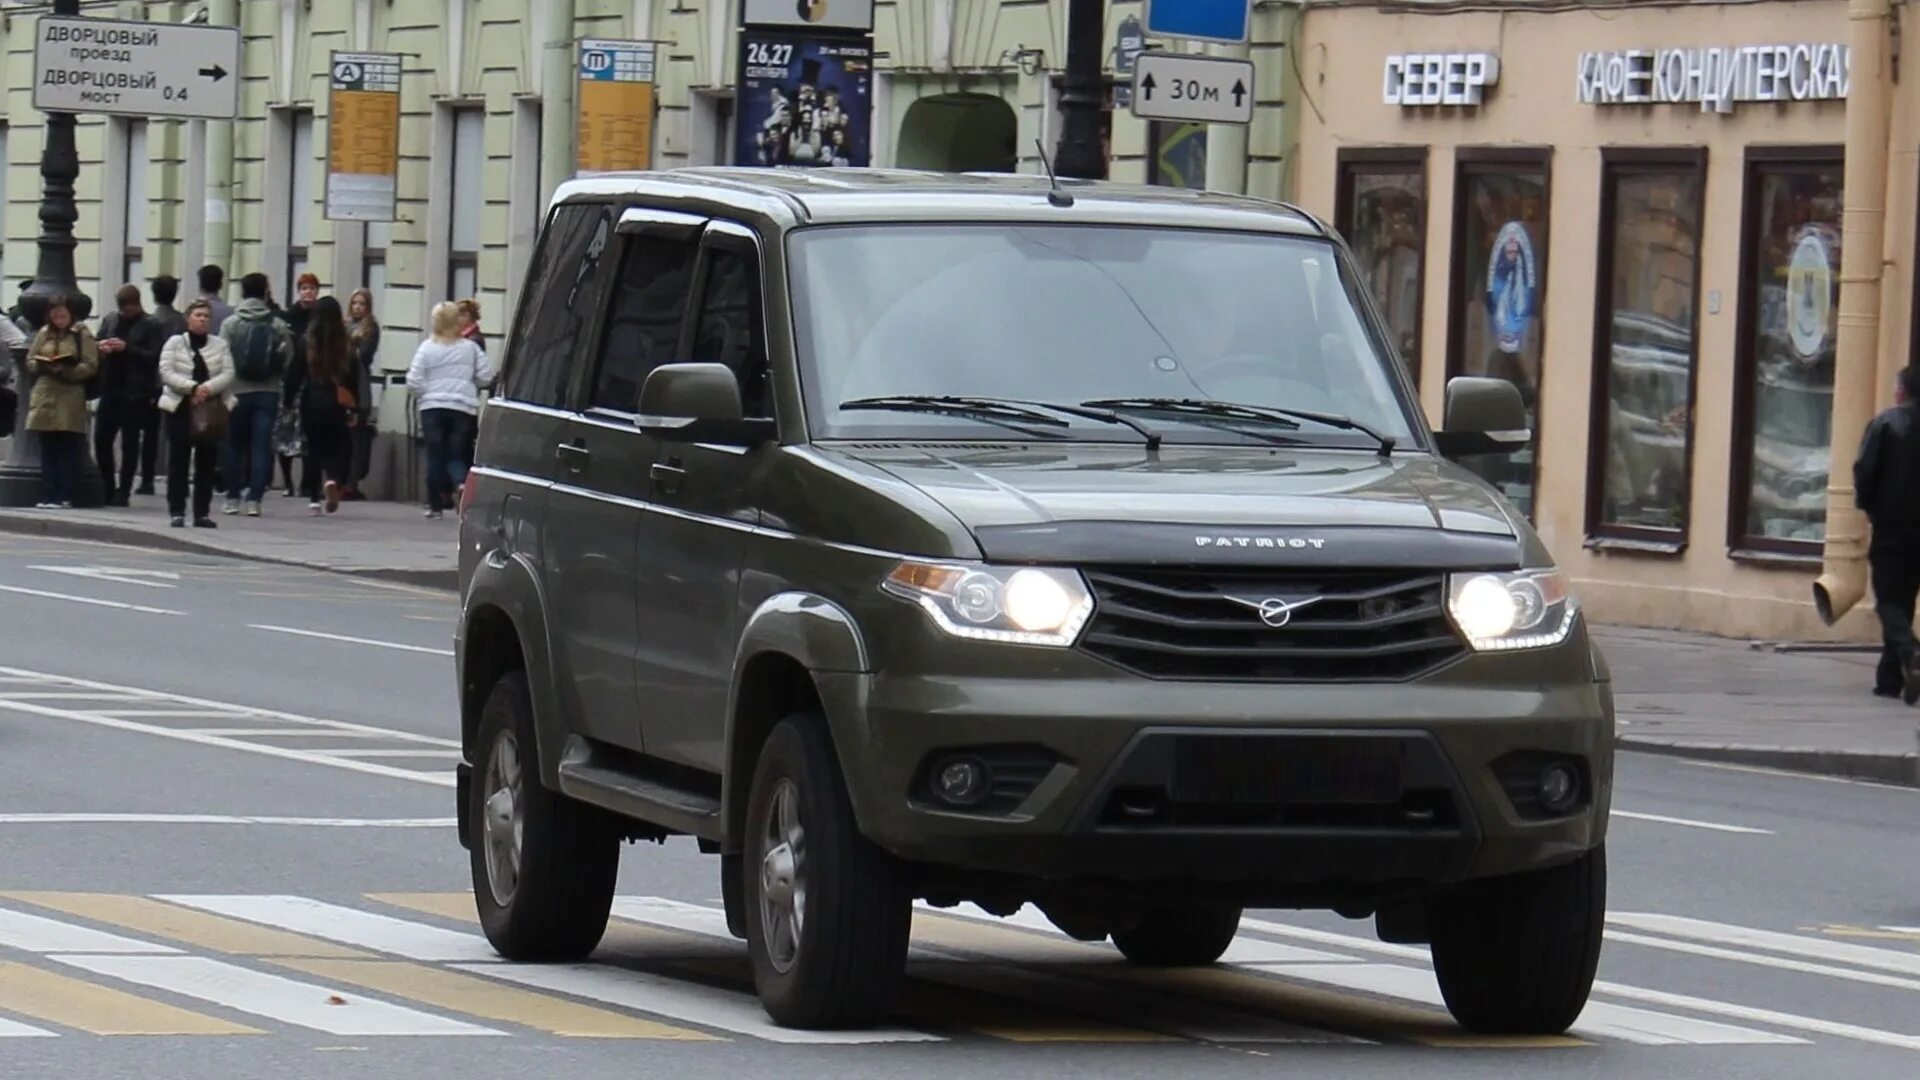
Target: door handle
{"points": [[574, 456], [667, 477]]}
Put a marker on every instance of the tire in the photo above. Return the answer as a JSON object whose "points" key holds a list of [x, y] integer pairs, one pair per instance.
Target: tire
{"points": [[554, 903], [1179, 937], [1516, 955], [844, 965]]}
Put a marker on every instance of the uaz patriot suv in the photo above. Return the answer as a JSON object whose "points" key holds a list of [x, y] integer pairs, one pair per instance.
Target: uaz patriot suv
{"points": [[950, 538]]}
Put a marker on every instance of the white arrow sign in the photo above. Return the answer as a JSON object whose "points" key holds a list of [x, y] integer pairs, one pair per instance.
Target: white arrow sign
{"points": [[118, 575], [136, 68], [1205, 89]]}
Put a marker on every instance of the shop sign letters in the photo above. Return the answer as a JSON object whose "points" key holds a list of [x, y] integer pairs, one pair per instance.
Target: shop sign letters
{"points": [[1717, 78], [1416, 80]]}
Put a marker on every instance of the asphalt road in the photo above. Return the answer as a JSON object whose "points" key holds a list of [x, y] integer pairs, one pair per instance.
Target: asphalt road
{"points": [[270, 751]]}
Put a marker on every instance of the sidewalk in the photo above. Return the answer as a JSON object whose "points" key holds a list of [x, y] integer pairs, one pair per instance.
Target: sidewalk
{"points": [[1703, 697], [370, 539]]}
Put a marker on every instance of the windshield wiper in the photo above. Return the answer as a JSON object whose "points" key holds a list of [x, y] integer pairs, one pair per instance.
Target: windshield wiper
{"points": [[1002, 410], [1233, 410]]}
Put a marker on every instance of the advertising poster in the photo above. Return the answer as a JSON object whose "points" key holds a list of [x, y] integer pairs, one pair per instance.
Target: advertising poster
{"points": [[1510, 287], [363, 136], [804, 100], [616, 106]]}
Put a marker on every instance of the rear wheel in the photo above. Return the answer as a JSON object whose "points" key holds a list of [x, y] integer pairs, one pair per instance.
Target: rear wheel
{"points": [[543, 865], [827, 910], [1516, 955], [1179, 937]]}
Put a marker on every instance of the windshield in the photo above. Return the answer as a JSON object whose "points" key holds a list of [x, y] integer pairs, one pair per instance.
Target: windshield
{"points": [[1066, 314]]}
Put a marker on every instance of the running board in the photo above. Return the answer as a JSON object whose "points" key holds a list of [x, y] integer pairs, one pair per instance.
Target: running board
{"points": [[591, 775]]}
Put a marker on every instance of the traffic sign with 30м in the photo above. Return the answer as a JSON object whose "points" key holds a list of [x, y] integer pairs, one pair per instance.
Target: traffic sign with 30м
{"points": [[1206, 89]]}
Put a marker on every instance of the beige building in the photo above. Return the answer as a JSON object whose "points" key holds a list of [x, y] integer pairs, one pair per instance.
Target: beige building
{"points": [[1659, 273]]}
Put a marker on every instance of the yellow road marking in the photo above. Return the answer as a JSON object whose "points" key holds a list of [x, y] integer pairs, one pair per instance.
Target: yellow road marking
{"points": [[491, 1000], [100, 1010], [1869, 934], [208, 931], [448, 905]]}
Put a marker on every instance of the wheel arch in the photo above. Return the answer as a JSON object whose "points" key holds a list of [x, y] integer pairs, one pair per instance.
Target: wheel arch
{"points": [[503, 629]]}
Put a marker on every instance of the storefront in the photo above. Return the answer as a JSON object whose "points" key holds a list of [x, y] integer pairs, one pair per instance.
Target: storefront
{"points": [[1637, 220]]}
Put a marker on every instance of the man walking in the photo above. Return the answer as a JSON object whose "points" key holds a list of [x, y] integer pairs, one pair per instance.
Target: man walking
{"points": [[1886, 484], [130, 343], [212, 281], [262, 352]]}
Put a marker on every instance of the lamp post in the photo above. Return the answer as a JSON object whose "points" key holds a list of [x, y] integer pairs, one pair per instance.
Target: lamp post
{"points": [[59, 168], [1082, 93]]}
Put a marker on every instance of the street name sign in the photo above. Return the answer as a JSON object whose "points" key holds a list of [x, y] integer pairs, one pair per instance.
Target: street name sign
{"points": [[1203, 89], [1201, 20], [136, 68]]}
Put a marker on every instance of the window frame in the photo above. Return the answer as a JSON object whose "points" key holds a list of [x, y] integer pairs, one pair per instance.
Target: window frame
{"points": [[1618, 161], [1740, 544], [636, 223], [1468, 162], [298, 255], [138, 131], [457, 258], [567, 399], [1349, 163], [723, 234]]}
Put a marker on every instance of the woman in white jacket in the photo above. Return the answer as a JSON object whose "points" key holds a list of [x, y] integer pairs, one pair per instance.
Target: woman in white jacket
{"points": [[194, 366], [445, 377]]}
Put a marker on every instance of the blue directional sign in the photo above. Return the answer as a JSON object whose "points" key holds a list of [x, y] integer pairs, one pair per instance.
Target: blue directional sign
{"points": [[1202, 20]]}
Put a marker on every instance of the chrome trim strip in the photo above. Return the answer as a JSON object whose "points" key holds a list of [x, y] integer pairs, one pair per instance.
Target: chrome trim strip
{"points": [[640, 217], [530, 407]]}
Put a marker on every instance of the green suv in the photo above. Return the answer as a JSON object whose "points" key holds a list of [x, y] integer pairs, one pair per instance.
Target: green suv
{"points": [[974, 539]]}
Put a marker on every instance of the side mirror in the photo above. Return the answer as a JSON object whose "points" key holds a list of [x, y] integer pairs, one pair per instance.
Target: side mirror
{"points": [[698, 403], [1483, 416]]}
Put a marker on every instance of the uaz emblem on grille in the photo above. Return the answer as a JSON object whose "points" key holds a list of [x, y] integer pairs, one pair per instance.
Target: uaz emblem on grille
{"points": [[1275, 611]]}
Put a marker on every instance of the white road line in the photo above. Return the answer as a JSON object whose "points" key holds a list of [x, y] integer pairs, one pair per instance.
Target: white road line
{"points": [[1715, 952], [1692, 824], [449, 754], [1244, 950], [10, 1029], [175, 714], [350, 640], [1902, 929], [315, 918], [275, 997], [227, 819], [688, 1002], [1829, 949], [1784, 774], [304, 733], [117, 575], [35, 934], [68, 695], [115, 604], [1811, 1025]]}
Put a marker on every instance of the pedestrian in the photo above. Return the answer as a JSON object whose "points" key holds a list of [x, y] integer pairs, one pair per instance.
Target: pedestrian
{"points": [[306, 294], [130, 344], [63, 357], [213, 281], [363, 334], [166, 289], [263, 352], [323, 391], [445, 377], [196, 373], [1886, 484], [470, 322]]}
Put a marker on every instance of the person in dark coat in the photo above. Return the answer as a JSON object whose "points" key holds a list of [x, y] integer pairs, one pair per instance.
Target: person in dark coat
{"points": [[130, 344], [1886, 484], [166, 290]]}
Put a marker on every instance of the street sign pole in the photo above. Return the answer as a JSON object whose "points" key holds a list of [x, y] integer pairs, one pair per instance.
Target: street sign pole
{"points": [[1079, 153]]}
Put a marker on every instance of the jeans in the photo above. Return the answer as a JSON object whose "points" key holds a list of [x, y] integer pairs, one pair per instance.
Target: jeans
{"points": [[329, 456], [1896, 583], [182, 451], [129, 423], [250, 438], [61, 453], [449, 436]]}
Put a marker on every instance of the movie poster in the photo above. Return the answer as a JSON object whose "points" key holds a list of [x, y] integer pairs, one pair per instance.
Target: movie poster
{"points": [[804, 101]]}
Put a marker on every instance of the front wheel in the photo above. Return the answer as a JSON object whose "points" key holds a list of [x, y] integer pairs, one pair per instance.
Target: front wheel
{"points": [[1516, 955], [1179, 937], [827, 911]]}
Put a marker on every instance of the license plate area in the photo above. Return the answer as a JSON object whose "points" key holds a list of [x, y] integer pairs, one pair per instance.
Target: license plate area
{"points": [[1290, 770]]}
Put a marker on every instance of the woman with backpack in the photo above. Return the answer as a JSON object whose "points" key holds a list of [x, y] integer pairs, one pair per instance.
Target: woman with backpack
{"points": [[62, 357], [196, 372], [323, 390], [445, 377]]}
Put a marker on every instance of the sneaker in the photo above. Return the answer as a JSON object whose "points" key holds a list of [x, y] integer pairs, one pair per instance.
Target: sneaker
{"points": [[290, 493], [313, 509], [45, 505], [179, 522], [63, 506], [253, 509], [232, 507], [144, 489], [332, 491], [205, 523], [435, 515]]}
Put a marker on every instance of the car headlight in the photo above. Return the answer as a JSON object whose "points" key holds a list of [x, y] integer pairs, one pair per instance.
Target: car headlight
{"points": [[1526, 609], [1026, 605]]}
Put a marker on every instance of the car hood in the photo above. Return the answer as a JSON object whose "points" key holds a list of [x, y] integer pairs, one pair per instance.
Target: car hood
{"points": [[1106, 503]]}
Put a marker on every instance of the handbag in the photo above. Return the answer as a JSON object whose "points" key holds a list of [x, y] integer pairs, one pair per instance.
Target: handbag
{"points": [[206, 420]]}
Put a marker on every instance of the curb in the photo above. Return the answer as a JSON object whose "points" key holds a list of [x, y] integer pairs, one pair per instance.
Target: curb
{"points": [[1885, 768], [109, 532]]}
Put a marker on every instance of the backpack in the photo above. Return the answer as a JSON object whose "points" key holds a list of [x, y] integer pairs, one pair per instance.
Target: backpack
{"points": [[254, 357]]}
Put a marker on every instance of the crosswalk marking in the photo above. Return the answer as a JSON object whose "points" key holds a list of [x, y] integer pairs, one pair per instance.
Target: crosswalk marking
{"points": [[488, 1000], [274, 997], [1715, 952], [100, 1010], [1244, 950], [1865, 956], [10, 1029], [35, 934], [350, 926], [197, 928]]}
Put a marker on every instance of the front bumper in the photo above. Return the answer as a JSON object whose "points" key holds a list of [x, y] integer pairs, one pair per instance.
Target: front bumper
{"points": [[1099, 737]]}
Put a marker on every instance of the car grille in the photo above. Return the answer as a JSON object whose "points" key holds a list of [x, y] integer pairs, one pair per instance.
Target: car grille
{"points": [[1341, 626]]}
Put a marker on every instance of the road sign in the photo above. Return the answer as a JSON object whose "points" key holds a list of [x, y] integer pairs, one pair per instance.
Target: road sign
{"points": [[136, 68], [1202, 20], [363, 136], [615, 104], [1207, 89]]}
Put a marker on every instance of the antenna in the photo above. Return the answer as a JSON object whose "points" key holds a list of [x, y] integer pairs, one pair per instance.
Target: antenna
{"points": [[1055, 196]]}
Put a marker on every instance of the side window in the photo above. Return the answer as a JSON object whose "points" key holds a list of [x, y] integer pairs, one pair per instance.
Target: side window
{"points": [[563, 288], [729, 329], [643, 318]]}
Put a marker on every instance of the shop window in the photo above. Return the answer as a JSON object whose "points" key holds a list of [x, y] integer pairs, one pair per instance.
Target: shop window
{"points": [[1177, 155], [1500, 228], [1783, 394], [1381, 209], [1641, 446], [466, 202]]}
